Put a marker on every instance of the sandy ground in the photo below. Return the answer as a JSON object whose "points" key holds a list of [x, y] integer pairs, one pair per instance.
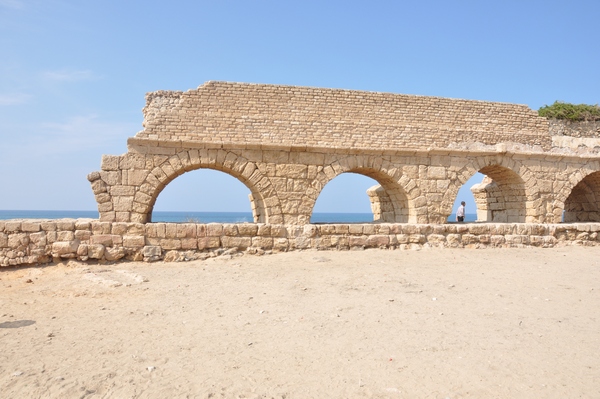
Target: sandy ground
{"points": [[505, 323]]}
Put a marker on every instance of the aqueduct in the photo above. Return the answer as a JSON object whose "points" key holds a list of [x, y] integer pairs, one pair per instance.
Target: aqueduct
{"points": [[286, 143]]}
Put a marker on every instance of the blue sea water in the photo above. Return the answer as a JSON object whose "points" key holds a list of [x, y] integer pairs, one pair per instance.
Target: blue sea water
{"points": [[201, 217]]}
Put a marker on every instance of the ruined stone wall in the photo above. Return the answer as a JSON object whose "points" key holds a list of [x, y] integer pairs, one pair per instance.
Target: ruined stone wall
{"points": [[236, 113], [286, 143], [419, 187], [580, 129], [30, 242]]}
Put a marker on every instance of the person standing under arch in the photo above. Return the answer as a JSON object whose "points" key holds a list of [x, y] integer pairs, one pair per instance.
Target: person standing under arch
{"points": [[460, 213]]}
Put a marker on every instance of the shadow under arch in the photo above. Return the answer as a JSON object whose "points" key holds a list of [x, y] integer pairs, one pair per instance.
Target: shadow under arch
{"points": [[389, 200], [583, 203], [224, 161], [501, 196]]}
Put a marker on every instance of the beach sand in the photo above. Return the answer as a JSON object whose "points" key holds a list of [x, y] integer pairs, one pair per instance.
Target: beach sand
{"points": [[493, 323]]}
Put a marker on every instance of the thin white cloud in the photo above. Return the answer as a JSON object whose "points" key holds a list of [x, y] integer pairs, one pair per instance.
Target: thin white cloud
{"points": [[76, 135], [82, 133], [14, 4], [66, 75], [14, 99]]}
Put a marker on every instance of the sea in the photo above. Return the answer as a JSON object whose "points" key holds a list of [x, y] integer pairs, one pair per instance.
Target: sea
{"points": [[201, 217]]}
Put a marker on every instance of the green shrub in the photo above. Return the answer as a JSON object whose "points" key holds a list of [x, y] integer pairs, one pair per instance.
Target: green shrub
{"points": [[572, 112]]}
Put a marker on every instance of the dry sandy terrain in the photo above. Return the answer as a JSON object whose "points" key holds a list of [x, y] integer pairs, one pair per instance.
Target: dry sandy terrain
{"points": [[506, 323]]}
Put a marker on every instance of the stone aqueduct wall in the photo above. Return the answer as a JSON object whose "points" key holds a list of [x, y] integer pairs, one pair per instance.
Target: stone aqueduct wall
{"points": [[288, 116], [42, 241], [286, 143], [420, 186]]}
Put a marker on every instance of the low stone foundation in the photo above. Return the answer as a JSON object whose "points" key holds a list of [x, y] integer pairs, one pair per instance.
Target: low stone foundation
{"points": [[27, 242]]}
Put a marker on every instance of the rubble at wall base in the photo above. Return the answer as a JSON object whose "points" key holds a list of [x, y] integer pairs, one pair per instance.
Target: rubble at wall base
{"points": [[31, 242]]}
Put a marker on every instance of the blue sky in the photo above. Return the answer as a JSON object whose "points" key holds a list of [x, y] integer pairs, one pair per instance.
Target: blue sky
{"points": [[73, 74]]}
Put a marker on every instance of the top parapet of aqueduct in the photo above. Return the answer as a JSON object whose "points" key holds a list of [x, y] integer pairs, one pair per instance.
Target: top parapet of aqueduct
{"points": [[292, 116]]}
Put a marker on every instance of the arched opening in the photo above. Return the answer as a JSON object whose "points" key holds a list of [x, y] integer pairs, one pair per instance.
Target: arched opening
{"points": [[500, 197], [583, 204], [465, 194], [204, 196], [361, 196]]}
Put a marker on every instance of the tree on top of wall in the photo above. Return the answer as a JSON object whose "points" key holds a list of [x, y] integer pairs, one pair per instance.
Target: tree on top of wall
{"points": [[571, 112]]}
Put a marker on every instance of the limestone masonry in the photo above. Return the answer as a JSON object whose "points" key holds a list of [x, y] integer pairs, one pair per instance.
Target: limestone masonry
{"points": [[285, 143], [44, 241]]}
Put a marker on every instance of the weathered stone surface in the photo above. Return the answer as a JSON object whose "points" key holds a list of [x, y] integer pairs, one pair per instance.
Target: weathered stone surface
{"points": [[61, 248], [134, 241], [30, 226], [95, 251], [114, 253], [104, 239], [151, 253], [420, 150]]}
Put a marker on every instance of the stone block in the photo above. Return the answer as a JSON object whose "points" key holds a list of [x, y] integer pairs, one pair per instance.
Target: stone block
{"points": [[122, 191], [343, 229], [248, 229], [103, 239], [151, 253], [12, 226], [278, 231], [436, 172], [236, 242], [189, 243], [209, 242], [82, 224], [111, 178], [454, 240], [134, 177], [39, 239], [402, 238], [357, 241], [369, 229], [110, 162], [114, 253], [264, 230], [280, 244], [170, 243], [262, 242], [135, 242], [355, 229], [95, 251], [214, 230], [65, 235], [417, 238], [436, 238], [82, 251], [310, 231], [230, 230], [61, 248], [377, 241], [186, 230], [469, 239], [497, 240], [30, 226], [82, 235], [171, 230]]}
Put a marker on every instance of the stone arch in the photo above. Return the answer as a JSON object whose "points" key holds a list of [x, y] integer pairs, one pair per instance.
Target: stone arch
{"points": [[265, 204], [583, 202], [393, 201], [507, 194]]}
